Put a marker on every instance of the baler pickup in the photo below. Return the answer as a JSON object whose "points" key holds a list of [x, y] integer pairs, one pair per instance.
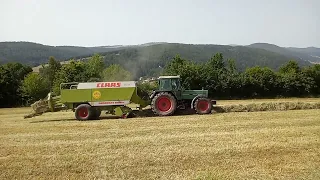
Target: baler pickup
{"points": [[48, 104]]}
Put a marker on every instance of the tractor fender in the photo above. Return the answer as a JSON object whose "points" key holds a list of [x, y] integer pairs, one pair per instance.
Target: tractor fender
{"points": [[156, 92], [153, 94], [195, 98]]}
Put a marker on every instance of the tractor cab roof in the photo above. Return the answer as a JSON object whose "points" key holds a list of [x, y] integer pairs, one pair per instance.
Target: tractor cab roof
{"points": [[168, 77]]}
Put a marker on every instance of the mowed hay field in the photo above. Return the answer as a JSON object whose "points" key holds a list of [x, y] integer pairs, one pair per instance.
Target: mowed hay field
{"points": [[244, 145]]}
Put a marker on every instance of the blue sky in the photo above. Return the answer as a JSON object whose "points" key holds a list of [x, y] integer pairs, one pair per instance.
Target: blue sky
{"points": [[111, 22]]}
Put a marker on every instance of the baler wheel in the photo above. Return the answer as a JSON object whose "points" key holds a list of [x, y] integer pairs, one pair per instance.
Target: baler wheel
{"points": [[124, 116], [164, 104], [83, 112], [203, 106]]}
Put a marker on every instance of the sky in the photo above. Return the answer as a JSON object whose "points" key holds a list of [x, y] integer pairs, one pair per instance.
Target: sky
{"points": [[287, 23]]}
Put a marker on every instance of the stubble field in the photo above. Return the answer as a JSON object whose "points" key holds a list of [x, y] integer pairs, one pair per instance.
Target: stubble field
{"points": [[245, 145]]}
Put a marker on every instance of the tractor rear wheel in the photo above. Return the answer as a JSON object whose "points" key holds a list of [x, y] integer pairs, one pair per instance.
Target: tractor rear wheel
{"points": [[164, 104], [203, 106], [83, 112]]}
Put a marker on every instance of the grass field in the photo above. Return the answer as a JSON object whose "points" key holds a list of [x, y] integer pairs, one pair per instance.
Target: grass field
{"points": [[254, 145]]}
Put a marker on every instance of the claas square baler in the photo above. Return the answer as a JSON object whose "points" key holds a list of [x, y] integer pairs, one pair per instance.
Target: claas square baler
{"points": [[90, 98]]}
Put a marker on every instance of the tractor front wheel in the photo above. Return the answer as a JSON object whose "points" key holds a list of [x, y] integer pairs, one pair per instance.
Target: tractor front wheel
{"points": [[164, 104], [203, 106], [83, 112]]}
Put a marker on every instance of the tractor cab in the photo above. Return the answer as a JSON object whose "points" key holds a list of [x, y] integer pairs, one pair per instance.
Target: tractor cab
{"points": [[169, 83]]}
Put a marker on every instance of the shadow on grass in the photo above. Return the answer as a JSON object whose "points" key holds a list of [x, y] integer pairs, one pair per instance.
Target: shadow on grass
{"points": [[52, 120], [134, 114], [149, 113], [74, 119]]}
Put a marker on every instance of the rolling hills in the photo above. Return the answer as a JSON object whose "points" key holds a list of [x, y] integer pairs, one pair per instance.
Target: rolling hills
{"points": [[311, 54], [312, 51], [34, 54], [149, 58]]}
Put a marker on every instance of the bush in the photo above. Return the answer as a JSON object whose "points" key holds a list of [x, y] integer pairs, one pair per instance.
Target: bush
{"points": [[146, 89]]}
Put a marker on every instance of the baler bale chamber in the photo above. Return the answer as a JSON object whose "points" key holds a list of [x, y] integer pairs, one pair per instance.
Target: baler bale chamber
{"points": [[88, 99]]}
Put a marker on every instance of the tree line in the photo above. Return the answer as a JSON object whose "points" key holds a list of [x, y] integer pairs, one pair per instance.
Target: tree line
{"points": [[223, 80], [20, 86]]}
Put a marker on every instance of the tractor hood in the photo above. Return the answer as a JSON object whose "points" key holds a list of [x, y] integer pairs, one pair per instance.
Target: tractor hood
{"points": [[190, 94]]}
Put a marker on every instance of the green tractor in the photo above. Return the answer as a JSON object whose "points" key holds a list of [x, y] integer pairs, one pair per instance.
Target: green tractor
{"points": [[171, 96]]}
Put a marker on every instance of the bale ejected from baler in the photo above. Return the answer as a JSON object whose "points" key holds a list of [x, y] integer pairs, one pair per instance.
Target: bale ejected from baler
{"points": [[88, 99]]}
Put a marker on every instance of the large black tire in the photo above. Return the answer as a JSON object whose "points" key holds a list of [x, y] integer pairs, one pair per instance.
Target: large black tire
{"points": [[84, 112], [164, 104], [203, 106], [95, 113]]}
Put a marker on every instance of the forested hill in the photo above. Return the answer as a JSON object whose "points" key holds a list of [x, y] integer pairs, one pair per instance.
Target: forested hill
{"points": [[311, 54], [312, 51], [148, 58], [34, 54]]}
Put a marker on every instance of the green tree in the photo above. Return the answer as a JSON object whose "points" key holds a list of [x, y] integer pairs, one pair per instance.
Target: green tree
{"points": [[231, 66], [290, 67], [34, 87], [116, 73], [188, 71], [296, 84], [217, 62], [176, 66], [313, 72], [95, 67], [72, 72], [261, 82], [234, 81], [49, 72], [214, 73], [293, 81], [11, 76]]}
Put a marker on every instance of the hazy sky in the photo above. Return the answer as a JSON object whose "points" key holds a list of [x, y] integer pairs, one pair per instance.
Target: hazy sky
{"points": [[111, 22]]}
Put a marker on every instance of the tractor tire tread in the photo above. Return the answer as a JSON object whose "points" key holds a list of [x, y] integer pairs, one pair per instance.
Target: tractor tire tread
{"points": [[154, 108], [208, 111], [88, 107]]}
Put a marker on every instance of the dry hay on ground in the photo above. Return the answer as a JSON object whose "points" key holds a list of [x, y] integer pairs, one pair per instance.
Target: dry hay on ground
{"points": [[245, 107], [257, 145], [41, 106], [267, 106]]}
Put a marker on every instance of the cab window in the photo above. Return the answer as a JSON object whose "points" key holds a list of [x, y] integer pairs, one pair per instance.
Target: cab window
{"points": [[175, 83], [165, 84]]}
